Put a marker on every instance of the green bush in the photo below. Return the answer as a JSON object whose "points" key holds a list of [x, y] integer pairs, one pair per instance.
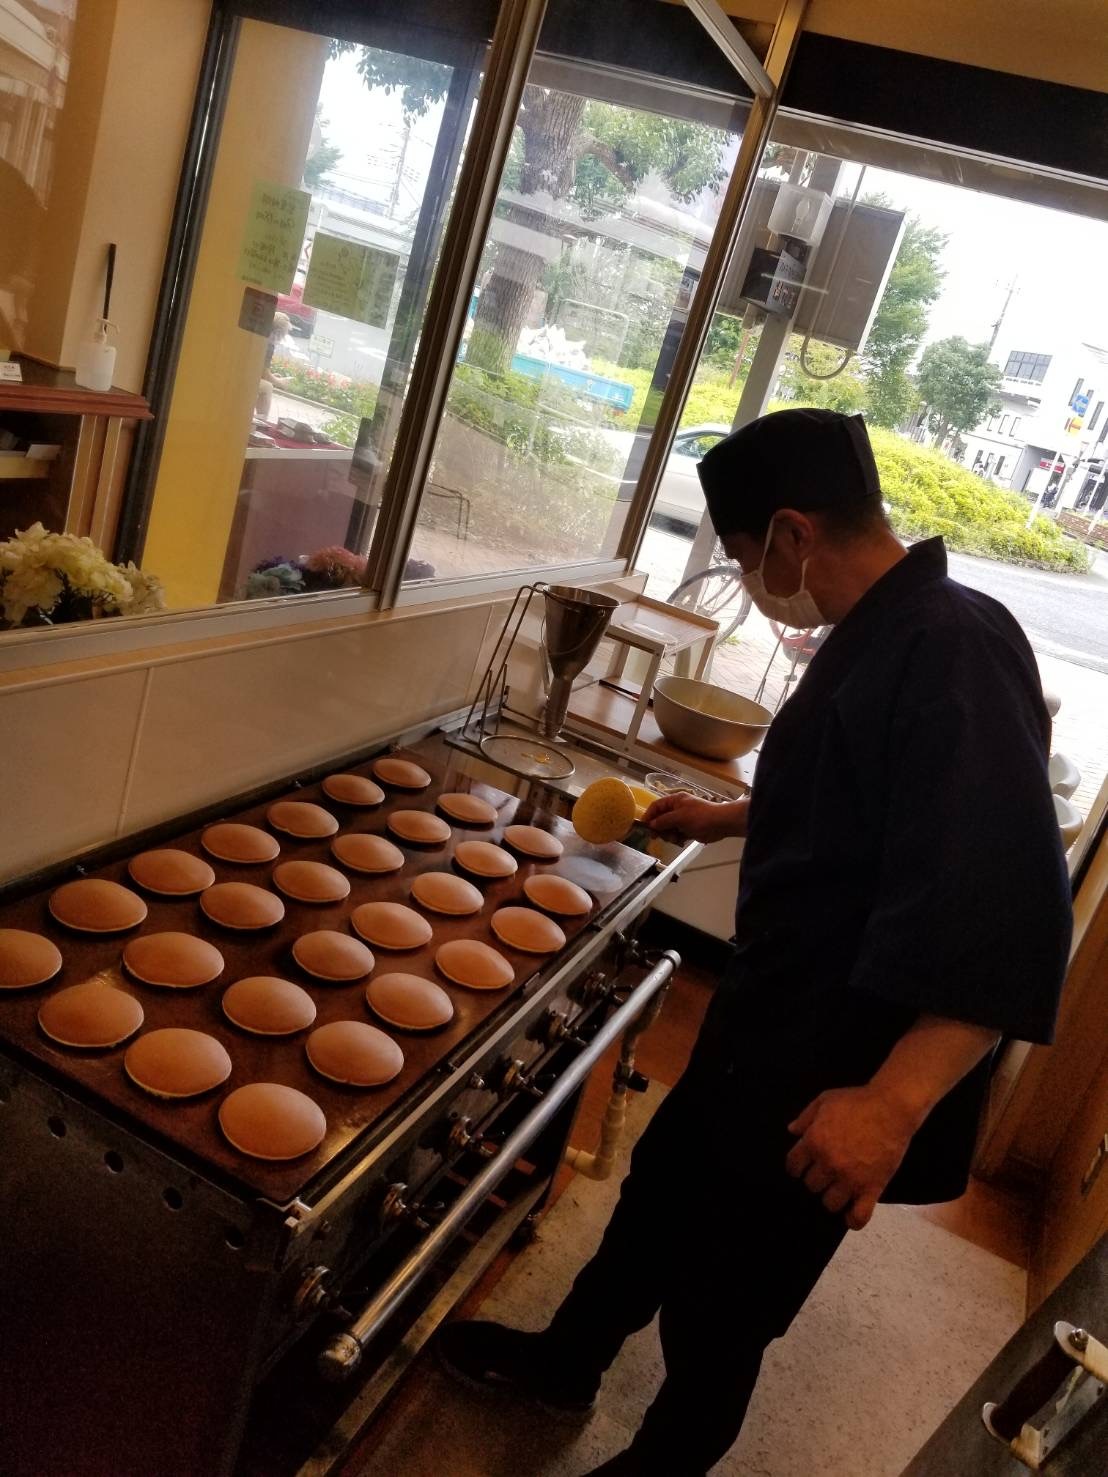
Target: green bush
{"points": [[929, 494]]}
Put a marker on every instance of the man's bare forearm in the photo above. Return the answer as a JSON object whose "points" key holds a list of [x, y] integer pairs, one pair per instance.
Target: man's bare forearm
{"points": [[929, 1059]]}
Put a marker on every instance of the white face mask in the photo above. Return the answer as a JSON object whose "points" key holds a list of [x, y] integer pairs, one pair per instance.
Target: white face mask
{"points": [[799, 611]]}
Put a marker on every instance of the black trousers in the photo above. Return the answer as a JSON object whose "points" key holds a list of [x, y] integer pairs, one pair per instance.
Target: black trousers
{"points": [[711, 1233]]}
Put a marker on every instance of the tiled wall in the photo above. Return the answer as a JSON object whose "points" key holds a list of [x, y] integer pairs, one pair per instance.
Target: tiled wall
{"points": [[89, 756]]}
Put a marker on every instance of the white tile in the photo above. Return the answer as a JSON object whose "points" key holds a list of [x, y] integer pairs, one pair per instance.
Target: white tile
{"points": [[226, 721], [65, 750]]}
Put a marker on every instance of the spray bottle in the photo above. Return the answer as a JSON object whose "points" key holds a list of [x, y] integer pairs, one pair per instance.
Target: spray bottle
{"points": [[96, 359]]}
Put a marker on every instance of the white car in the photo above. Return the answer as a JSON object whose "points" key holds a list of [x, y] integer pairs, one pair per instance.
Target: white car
{"points": [[680, 499]]}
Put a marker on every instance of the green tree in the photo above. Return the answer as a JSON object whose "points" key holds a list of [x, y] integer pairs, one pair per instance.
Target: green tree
{"points": [[958, 385], [901, 322], [845, 392]]}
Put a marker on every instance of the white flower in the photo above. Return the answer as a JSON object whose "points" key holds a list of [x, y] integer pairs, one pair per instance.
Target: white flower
{"points": [[147, 591], [27, 587]]}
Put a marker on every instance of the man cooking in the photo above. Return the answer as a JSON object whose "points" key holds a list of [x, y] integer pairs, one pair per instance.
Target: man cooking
{"points": [[903, 905]]}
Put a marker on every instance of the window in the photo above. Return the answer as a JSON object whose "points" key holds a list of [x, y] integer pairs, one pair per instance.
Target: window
{"points": [[259, 490], [1003, 423], [990, 424], [1075, 391], [1023, 365], [1015, 426], [1095, 416], [999, 468], [604, 213]]}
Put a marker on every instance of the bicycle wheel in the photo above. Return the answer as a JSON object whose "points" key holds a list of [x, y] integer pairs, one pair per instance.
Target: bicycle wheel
{"points": [[717, 592]]}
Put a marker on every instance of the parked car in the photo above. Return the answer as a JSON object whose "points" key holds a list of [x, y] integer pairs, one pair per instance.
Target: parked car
{"points": [[680, 499], [301, 317]]}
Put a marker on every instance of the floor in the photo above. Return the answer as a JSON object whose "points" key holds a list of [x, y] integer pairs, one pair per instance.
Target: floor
{"points": [[988, 1219]]}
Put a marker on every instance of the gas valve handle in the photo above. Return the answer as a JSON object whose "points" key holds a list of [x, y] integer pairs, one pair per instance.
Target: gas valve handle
{"points": [[343, 1354], [1072, 1356]]}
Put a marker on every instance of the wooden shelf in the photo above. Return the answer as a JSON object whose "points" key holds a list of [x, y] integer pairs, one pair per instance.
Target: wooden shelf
{"points": [[650, 624], [22, 468], [610, 713], [56, 391]]}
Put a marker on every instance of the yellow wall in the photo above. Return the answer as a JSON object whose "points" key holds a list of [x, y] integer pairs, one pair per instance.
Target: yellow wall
{"points": [[265, 136], [132, 182]]}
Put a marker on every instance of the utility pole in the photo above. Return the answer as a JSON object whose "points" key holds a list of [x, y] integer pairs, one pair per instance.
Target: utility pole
{"points": [[1000, 320]]}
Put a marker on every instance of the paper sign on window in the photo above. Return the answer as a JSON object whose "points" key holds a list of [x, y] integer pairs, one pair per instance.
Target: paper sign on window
{"points": [[351, 279], [274, 235]]}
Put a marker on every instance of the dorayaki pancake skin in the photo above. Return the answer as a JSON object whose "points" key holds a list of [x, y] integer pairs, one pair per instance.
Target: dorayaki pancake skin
{"points": [[267, 1005], [91, 1014], [470, 810], [474, 965], [241, 905], [176, 961], [364, 853], [247, 846], [26, 959], [310, 882], [177, 1063], [527, 929], [483, 859], [301, 819], [420, 827], [354, 1054], [94, 905], [170, 873], [445, 892], [390, 926], [270, 1121], [352, 789], [333, 956], [409, 1002], [530, 841], [401, 774]]}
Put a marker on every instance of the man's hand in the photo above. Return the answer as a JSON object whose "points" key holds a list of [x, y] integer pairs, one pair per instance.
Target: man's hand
{"points": [[686, 818], [850, 1142]]}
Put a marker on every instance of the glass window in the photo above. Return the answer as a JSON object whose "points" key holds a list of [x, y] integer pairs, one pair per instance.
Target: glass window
{"points": [[605, 211], [1015, 426], [1003, 423], [331, 186], [1095, 415], [1023, 365]]}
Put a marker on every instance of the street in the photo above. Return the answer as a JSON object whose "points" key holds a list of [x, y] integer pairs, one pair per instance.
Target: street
{"points": [[1064, 615]]}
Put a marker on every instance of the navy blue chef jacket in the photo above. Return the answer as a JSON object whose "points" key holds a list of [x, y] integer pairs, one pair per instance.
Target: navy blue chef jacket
{"points": [[902, 857]]}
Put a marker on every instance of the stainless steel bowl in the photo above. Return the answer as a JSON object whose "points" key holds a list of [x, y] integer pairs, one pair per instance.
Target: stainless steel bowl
{"points": [[708, 720]]}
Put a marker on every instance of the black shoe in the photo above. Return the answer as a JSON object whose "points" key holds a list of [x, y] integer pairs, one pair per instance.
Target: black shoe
{"points": [[489, 1356]]}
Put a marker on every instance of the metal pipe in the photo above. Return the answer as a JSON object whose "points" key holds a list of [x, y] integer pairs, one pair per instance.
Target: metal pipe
{"points": [[343, 1354], [716, 262], [599, 1165]]}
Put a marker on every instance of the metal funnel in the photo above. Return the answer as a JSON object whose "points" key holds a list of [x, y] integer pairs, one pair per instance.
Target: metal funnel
{"points": [[575, 622]]}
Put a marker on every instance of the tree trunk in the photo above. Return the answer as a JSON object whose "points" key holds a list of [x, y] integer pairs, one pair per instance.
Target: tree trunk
{"points": [[550, 123]]}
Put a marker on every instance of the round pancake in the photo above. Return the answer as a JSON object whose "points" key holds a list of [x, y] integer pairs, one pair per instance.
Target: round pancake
{"points": [[532, 842], [266, 1005], [310, 882], [401, 774], [526, 929], [175, 1062], [241, 905], [170, 873], [301, 819], [445, 892], [333, 956], [269, 1121], [26, 959], [94, 905], [474, 965], [352, 789], [390, 926], [354, 1054], [179, 961], [364, 853], [419, 826], [90, 1014], [557, 895], [231, 841], [471, 810], [409, 1002], [484, 859]]}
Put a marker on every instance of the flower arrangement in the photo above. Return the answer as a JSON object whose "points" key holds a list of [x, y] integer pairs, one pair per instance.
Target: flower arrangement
{"points": [[49, 578]]}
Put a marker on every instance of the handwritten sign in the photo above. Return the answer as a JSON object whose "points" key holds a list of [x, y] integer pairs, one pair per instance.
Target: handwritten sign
{"points": [[274, 235], [351, 279], [11, 372]]}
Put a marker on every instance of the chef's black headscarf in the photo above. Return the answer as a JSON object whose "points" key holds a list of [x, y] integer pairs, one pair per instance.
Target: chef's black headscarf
{"points": [[808, 459]]}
